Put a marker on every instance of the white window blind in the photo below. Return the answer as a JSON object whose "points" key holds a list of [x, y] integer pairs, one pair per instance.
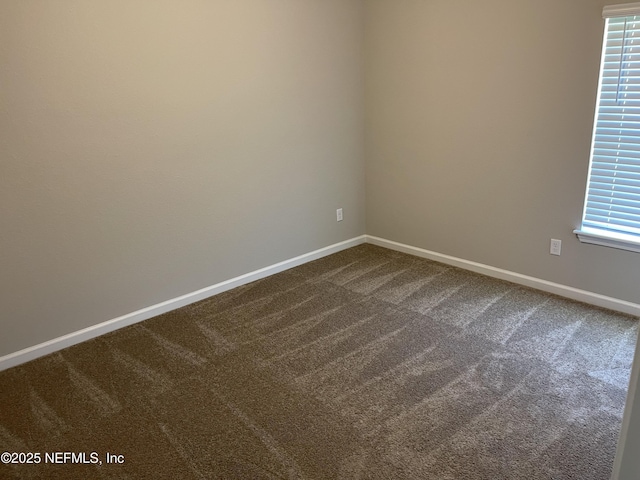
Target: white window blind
{"points": [[612, 205]]}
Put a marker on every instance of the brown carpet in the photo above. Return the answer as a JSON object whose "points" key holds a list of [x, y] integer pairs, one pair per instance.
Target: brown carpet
{"points": [[365, 364]]}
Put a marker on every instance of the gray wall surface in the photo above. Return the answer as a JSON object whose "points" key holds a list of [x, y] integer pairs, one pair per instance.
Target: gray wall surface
{"points": [[150, 149], [479, 122]]}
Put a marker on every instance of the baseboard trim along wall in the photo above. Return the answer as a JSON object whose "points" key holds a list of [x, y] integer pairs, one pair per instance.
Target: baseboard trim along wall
{"points": [[50, 346], [537, 283]]}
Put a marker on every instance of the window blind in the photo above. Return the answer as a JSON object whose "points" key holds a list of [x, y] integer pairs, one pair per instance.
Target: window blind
{"points": [[613, 190]]}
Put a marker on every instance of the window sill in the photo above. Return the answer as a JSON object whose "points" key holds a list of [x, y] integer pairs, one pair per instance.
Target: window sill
{"points": [[609, 239]]}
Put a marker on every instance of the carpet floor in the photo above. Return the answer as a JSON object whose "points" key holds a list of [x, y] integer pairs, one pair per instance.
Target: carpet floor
{"points": [[366, 364]]}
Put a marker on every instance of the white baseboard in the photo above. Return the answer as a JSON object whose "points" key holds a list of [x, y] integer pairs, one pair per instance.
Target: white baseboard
{"points": [[537, 283], [50, 346]]}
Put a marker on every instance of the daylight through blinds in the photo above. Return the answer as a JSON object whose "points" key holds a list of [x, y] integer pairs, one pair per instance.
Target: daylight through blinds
{"points": [[613, 197]]}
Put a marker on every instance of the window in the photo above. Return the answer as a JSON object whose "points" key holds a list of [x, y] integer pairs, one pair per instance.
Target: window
{"points": [[611, 214]]}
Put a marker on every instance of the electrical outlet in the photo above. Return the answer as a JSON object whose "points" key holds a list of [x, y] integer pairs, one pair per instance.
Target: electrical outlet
{"points": [[556, 246], [339, 215]]}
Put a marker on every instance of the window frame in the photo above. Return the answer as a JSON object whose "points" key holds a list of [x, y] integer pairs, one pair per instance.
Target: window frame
{"points": [[588, 234]]}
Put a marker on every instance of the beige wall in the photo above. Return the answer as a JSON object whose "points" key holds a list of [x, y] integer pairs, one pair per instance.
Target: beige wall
{"points": [[479, 121], [150, 152], [150, 149]]}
